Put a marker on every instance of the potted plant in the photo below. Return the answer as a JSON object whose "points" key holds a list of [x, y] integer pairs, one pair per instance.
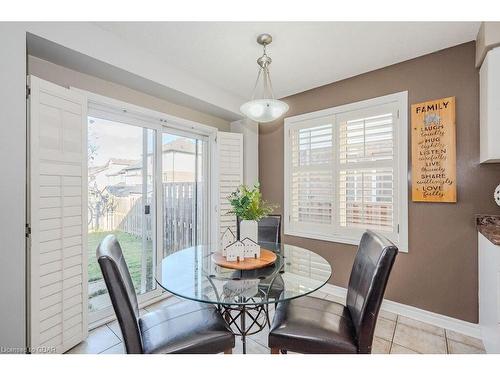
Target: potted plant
{"points": [[247, 204]]}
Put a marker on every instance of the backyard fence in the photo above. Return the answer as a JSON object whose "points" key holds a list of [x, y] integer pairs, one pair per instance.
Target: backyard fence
{"points": [[179, 216], [128, 216]]}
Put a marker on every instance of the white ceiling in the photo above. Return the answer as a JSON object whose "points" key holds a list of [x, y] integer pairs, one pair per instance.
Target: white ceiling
{"points": [[305, 54]]}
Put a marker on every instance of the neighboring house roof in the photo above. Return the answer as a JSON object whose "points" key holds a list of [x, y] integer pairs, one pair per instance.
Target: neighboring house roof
{"points": [[180, 145], [112, 161], [121, 161], [115, 174], [95, 170], [121, 190], [134, 167]]}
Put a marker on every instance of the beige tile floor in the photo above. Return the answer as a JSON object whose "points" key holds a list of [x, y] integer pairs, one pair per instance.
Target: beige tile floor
{"points": [[394, 334]]}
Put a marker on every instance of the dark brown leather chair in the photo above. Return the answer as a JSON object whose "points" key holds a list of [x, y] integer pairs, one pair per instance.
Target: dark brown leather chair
{"points": [[313, 325], [185, 327], [270, 229]]}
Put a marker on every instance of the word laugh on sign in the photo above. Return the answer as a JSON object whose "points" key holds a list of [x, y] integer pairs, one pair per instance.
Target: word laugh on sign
{"points": [[434, 151]]}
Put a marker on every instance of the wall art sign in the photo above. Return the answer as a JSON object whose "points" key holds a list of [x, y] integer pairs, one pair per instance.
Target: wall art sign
{"points": [[433, 146]]}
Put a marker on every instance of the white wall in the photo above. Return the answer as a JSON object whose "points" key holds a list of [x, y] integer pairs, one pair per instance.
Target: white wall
{"points": [[12, 185], [250, 131]]}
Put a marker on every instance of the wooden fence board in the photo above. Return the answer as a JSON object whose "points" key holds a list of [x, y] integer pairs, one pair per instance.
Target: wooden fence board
{"points": [[179, 215]]}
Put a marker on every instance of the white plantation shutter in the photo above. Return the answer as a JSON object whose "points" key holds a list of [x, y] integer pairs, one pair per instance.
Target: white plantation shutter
{"points": [[57, 217], [366, 198], [311, 175], [366, 167], [343, 168], [230, 166]]}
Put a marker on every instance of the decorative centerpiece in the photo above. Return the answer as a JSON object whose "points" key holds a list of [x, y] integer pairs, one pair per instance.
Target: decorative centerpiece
{"points": [[235, 259], [249, 208], [243, 252], [242, 255]]}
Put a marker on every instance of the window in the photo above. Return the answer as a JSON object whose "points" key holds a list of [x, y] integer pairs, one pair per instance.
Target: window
{"points": [[184, 191], [149, 184], [121, 192], [346, 171]]}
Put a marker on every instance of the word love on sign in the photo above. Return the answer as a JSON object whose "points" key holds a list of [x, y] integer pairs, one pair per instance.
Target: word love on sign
{"points": [[434, 170]]}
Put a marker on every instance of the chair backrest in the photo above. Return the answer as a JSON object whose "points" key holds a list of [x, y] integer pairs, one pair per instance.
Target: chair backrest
{"points": [[270, 229], [121, 291], [367, 283]]}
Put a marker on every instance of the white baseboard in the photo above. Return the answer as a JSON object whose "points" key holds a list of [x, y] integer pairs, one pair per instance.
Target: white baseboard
{"points": [[443, 321]]}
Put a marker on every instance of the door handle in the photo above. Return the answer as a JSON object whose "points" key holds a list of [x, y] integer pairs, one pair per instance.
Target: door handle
{"points": [[147, 209]]}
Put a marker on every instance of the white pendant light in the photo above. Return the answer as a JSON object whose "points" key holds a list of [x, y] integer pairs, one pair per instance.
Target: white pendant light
{"points": [[264, 108]]}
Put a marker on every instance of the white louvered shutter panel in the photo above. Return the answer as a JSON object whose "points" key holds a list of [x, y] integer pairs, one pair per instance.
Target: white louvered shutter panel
{"points": [[366, 169], [230, 165], [311, 178], [57, 216]]}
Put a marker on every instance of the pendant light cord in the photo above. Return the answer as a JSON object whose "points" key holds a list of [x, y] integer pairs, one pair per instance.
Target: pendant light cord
{"points": [[270, 84], [256, 83], [267, 84]]}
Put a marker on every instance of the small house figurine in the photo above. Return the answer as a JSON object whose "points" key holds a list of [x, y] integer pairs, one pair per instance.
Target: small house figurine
{"points": [[227, 239], [235, 251], [252, 248]]}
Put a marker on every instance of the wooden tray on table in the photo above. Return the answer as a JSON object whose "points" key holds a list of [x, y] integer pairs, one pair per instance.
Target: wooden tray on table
{"points": [[267, 257]]}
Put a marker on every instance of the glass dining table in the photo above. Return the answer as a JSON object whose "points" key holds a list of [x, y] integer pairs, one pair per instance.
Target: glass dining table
{"points": [[243, 297]]}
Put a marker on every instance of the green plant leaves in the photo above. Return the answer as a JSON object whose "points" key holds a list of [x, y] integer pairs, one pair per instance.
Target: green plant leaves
{"points": [[247, 203]]}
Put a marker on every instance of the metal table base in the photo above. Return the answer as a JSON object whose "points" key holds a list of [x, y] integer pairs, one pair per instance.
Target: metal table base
{"points": [[245, 320]]}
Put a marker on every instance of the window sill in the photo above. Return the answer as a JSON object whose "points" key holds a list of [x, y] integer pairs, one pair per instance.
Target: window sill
{"points": [[323, 237], [335, 238]]}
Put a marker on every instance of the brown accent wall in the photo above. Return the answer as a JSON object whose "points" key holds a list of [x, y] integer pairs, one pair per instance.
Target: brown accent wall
{"points": [[439, 273]]}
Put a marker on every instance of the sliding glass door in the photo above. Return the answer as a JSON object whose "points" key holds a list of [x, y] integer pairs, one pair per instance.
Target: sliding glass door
{"points": [[121, 201], [184, 190], [148, 186]]}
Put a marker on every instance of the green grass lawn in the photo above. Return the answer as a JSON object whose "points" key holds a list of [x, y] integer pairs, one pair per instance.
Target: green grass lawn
{"points": [[131, 247]]}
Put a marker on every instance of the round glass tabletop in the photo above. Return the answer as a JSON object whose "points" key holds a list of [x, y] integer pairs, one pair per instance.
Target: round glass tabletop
{"points": [[192, 274]]}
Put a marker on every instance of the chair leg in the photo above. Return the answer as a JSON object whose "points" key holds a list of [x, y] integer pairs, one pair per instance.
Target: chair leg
{"points": [[228, 351], [275, 351]]}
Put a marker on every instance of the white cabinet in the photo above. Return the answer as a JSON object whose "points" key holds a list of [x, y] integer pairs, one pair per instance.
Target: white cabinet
{"points": [[489, 294], [489, 104]]}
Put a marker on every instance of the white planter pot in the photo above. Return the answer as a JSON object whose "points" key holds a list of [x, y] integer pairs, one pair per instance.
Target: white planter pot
{"points": [[249, 228]]}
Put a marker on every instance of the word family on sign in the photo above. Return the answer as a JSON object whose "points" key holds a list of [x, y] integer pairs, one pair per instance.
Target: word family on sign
{"points": [[434, 151]]}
